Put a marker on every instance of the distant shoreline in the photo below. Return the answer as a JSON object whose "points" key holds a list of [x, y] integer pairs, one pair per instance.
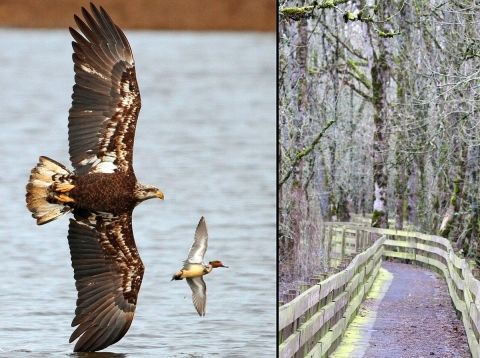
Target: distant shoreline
{"points": [[195, 15]]}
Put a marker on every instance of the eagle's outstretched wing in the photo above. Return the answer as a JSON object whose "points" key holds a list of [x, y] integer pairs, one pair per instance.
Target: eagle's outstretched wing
{"points": [[108, 272], [106, 98]]}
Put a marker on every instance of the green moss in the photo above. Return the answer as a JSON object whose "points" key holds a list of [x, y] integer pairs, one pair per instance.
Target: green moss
{"points": [[330, 4], [349, 16], [297, 13], [359, 74], [360, 331], [377, 218], [448, 228], [327, 4], [477, 256]]}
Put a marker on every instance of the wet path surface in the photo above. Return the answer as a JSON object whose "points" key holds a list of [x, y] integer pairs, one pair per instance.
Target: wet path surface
{"points": [[408, 313]]}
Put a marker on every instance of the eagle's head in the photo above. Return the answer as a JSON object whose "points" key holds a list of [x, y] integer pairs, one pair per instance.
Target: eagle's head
{"points": [[144, 192]]}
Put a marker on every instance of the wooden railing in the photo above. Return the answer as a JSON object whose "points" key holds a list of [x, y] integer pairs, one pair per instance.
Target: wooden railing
{"points": [[313, 324]]}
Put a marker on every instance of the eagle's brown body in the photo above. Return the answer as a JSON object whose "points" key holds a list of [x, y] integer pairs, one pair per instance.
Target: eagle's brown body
{"points": [[101, 191], [117, 192]]}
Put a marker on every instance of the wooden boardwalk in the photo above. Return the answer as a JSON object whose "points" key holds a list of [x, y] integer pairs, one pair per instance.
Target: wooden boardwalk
{"points": [[368, 306], [407, 313]]}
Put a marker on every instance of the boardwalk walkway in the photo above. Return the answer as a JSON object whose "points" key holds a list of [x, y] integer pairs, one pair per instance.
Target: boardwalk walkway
{"points": [[408, 313]]}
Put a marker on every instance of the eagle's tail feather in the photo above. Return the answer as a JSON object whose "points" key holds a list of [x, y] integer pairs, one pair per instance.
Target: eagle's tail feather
{"points": [[47, 180]]}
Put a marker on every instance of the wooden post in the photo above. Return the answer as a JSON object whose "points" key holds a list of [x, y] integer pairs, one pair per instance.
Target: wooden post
{"points": [[304, 286], [329, 238], [342, 247], [476, 273], [357, 241]]}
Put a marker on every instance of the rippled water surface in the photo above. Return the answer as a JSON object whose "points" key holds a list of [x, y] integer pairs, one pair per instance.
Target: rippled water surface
{"points": [[206, 137]]}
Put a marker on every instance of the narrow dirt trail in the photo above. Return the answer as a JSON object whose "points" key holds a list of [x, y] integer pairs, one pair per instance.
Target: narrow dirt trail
{"points": [[408, 313]]}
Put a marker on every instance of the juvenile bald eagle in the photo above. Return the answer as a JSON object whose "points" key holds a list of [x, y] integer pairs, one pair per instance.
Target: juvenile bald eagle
{"points": [[102, 190]]}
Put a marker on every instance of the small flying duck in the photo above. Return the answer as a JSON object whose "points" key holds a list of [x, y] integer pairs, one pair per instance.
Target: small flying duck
{"points": [[194, 268]]}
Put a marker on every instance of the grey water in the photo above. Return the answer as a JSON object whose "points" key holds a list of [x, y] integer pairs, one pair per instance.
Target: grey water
{"points": [[206, 138]]}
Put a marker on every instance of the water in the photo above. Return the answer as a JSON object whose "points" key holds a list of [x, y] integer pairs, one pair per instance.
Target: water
{"points": [[206, 138]]}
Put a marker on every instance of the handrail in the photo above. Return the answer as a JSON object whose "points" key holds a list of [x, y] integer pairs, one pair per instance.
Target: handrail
{"points": [[313, 324], [319, 316]]}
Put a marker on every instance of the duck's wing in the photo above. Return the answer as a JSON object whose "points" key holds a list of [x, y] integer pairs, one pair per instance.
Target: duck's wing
{"points": [[199, 294], [106, 98], [108, 274], [200, 244]]}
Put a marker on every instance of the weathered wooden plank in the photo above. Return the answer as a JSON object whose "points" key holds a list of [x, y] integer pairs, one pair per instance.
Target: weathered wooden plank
{"points": [[434, 250], [369, 267], [467, 298], [325, 343], [350, 240], [378, 254], [398, 243], [354, 303], [340, 301], [338, 329], [456, 261], [473, 284], [350, 271], [314, 324], [332, 283], [438, 239], [457, 302], [473, 312], [290, 346], [370, 279], [355, 282], [438, 264], [293, 343], [400, 255], [472, 340], [421, 258], [298, 306], [316, 351], [457, 279]]}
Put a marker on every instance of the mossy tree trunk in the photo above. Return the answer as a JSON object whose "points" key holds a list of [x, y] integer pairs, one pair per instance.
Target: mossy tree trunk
{"points": [[400, 160], [400, 188], [380, 74], [299, 74], [451, 215], [415, 187], [472, 235]]}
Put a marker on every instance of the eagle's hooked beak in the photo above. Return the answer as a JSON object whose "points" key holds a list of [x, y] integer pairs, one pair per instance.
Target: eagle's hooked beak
{"points": [[159, 194]]}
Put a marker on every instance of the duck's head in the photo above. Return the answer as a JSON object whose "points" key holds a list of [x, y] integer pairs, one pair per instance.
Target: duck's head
{"points": [[216, 264]]}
